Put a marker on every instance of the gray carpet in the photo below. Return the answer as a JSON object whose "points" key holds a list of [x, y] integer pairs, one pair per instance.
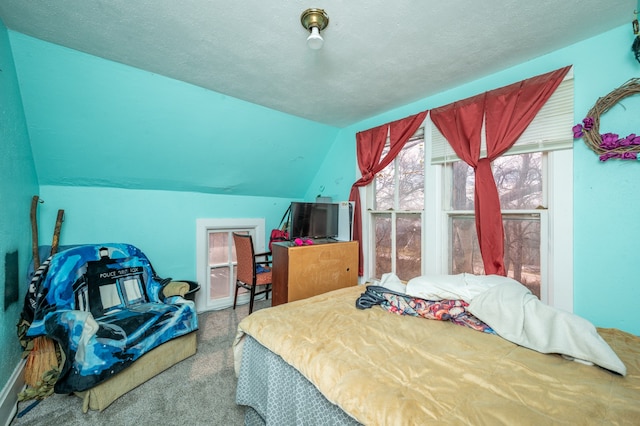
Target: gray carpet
{"points": [[197, 391]]}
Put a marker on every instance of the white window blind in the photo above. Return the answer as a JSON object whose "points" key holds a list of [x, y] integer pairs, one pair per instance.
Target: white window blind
{"points": [[549, 130]]}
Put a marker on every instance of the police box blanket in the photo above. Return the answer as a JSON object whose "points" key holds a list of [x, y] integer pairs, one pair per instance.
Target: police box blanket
{"points": [[103, 304]]}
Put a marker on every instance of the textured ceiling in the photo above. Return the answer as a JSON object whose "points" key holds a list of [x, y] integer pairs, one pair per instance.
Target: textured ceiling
{"points": [[377, 55]]}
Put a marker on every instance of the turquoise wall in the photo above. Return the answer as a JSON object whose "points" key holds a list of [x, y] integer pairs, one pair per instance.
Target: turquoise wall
{"points": [[161, 223], [98, 123], [18, 183], [606, 196]]}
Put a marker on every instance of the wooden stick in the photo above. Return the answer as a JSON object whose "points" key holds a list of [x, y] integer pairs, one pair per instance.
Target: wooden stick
{"points": [[34, 232], [56, 232]]}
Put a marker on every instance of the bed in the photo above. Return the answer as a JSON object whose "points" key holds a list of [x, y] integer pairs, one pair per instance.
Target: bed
{"points": [[323, 360]]}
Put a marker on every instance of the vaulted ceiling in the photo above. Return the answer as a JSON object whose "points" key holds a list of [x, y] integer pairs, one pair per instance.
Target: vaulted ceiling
{"points": [[168, 95], [378, 54]]}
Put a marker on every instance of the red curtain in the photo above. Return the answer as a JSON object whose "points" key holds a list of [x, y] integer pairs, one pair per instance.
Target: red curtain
{"points": [[461, 124], [369, 146], [510, 109], [507, 111]]}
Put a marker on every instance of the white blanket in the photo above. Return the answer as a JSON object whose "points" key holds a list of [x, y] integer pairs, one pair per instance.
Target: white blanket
{"points": [[519, 316], [452, 287]]}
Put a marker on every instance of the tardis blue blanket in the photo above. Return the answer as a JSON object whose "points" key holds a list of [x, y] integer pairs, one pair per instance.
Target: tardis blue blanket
{"points": [[104, 305]]}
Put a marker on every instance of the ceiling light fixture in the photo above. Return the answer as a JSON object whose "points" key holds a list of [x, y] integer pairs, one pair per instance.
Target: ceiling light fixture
{"points": [[314, 21]]}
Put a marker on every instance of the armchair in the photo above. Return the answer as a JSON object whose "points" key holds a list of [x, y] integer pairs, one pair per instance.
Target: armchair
{"points": [[106, 308]]}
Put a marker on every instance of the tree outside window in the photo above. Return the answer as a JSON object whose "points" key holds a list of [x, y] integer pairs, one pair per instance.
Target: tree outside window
{"points": [[519, 179], [396, 214]]}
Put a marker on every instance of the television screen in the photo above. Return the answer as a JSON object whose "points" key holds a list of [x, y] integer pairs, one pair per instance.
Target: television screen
{"points": [[314, 220]]}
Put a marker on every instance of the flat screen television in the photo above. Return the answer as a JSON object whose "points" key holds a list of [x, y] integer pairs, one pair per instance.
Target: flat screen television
{"points": [[314, 220]]}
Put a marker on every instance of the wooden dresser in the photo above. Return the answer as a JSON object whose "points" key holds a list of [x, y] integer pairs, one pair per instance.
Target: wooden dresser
{"points": [[304, 271]]}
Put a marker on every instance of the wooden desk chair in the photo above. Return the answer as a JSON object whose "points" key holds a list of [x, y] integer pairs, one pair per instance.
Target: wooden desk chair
{"points": [[246, 275]]}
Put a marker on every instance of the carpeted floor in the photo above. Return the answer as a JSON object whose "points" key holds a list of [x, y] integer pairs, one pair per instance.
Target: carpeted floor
{"points": [[197, 391]]}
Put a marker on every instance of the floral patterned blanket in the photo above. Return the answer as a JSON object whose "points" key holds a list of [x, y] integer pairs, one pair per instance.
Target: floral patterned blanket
{"points": [[401, 304]]}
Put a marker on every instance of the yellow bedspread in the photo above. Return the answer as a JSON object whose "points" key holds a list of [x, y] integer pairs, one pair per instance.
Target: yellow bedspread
{"points": [[387, 369]]}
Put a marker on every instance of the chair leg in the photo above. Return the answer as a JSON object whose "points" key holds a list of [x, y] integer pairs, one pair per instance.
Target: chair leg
{"points": [[235, 299], [253, 292]]}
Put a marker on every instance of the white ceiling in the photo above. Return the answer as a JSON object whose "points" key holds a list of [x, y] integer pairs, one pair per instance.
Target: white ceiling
{"points": [[378, 54]]}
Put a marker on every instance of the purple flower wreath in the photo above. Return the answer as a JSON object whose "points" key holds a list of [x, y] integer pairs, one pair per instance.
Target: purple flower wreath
{"points": [[610, 141]]}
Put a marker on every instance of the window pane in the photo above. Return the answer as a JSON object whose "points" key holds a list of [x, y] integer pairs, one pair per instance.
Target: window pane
{"points": [[382, 241], [219, 283], [411, 175], [408, 246], [462, 187], [234, 257], [522, 249], [218, 247], [519, 181], [384, 186], [465, 251]]}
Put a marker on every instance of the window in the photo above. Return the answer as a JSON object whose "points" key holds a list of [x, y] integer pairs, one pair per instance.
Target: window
{"points": [[396, 210], [535, 185], [434, 232], [536, 193], [216, 260], [222, 263], [519, 179]]}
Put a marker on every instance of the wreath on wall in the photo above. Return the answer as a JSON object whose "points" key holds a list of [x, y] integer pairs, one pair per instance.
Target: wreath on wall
{"points": [[609, 145]]}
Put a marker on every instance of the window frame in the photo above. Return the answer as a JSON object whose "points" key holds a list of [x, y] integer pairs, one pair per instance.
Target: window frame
{"points": [[255, 226], [556, 225], [538, 213]]}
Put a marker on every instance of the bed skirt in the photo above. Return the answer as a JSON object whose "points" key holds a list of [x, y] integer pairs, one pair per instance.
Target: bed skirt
{"points": [[275, 393]]}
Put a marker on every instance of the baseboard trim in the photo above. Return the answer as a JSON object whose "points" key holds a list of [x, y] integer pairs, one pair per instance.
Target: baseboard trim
{"points": [[9, 395]]}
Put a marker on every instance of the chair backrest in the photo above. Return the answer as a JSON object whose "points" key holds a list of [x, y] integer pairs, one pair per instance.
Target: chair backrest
{"points": [[245, 255]]}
